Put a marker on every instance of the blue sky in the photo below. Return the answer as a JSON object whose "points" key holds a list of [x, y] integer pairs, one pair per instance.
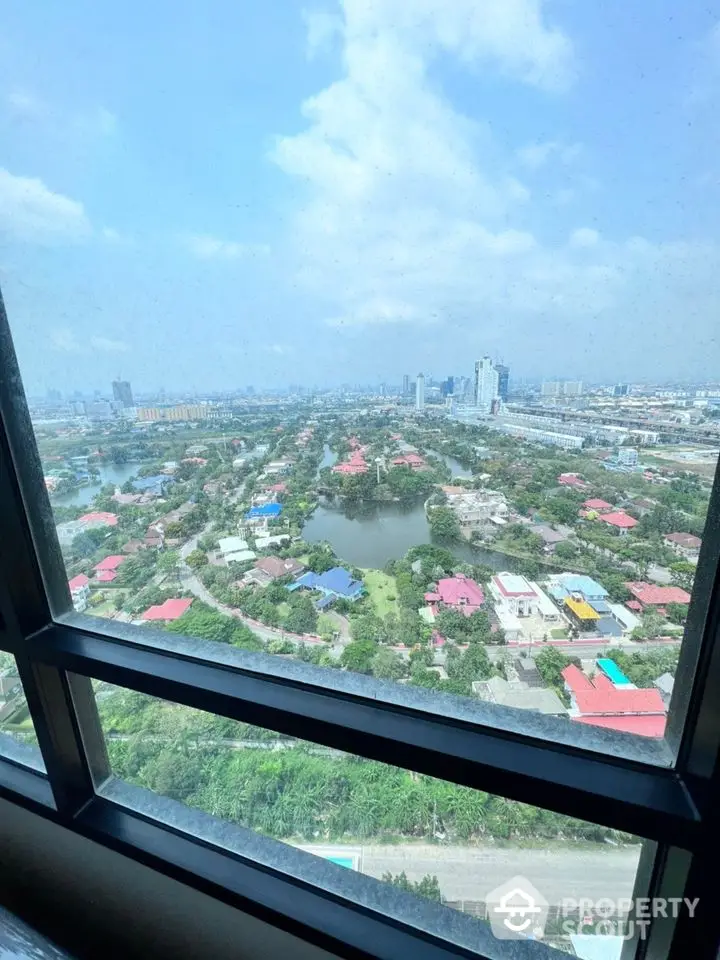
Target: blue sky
{"points": [[202, 196]]}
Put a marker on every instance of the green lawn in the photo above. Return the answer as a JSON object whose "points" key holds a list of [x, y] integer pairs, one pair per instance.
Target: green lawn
{"points": [[326, 625], [558, 633], [380, 588]]}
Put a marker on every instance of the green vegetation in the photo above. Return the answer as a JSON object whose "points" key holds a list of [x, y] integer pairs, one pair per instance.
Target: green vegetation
{"points": [[443, 523], [382, 590]]}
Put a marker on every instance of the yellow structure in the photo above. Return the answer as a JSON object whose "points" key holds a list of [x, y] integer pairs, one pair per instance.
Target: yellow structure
{"points": [[581, 609]]}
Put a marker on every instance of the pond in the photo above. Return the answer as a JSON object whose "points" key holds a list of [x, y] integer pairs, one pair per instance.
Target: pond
{"points": [[368, 534], [457, 469], [115, 473]]}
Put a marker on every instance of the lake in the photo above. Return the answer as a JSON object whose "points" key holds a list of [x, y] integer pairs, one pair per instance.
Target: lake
{"points": [[458, 470], [115, 473], [369, 534]]}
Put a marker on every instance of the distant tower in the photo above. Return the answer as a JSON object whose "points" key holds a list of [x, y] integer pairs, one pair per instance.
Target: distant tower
{"points": [[122, 392], [486, 384], [503, 373], [420, 392], [406, 384]]}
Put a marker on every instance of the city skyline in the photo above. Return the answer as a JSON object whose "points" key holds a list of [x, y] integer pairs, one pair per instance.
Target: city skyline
{"points": [[430, 184]]}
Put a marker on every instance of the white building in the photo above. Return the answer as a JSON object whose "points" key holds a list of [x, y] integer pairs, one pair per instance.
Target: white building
{"points": [[420, 392], [628, 456], [547, 437], [514, 593], [486, 384], [80, 591], [476, 508]]}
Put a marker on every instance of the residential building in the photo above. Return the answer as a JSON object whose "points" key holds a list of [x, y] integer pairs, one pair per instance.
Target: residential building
{"points": [[571, 480], [406, 385], [154, 486], [169, 610], [551, 536], [334, 584], [106, 570], [458, 593], [235, 550], [600, 506], [181, 411], [476, 509], [273, 568], [561, 585], [619, 520], [503, 388], [412, 460], [264, 543], [550, 438], [684, 544], [600, 703], [122, 392], [515, 693], [420, 392], [649, 595], [486, 385], [665, 683], [550, 388], [621, 390], [80, 591], [514, 593]]}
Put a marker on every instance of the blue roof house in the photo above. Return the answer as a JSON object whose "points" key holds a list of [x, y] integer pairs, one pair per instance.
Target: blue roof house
{"points": [[154, 484], [333, 584], [267, 510]]}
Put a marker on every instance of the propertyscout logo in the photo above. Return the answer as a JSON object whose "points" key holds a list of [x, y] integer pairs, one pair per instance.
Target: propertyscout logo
{"points": [[518, 911]]}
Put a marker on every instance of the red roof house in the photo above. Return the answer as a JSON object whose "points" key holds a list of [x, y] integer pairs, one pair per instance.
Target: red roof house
{"points": [[78, 582], [412, 460], [600, 703], [111, 563], [170, 610], [571, 480], [651, 595], [594, 504], [459, 593], [622, 521], [99, 518]]}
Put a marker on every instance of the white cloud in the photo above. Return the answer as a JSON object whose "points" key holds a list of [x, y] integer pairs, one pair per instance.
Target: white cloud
{"points": [[322, 29], [30, 212], [206, 247], [535, 155], [22, 103], [65, 340], [584, 237], [106, 345]]}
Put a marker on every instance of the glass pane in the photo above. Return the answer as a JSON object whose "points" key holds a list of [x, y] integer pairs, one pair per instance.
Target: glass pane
{"points": [[398, 372], [432, 838], [17, 733]]}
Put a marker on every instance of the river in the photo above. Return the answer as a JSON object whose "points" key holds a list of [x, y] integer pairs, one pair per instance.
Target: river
{"points": [[115, 473], [457, 469], [368, 534]]}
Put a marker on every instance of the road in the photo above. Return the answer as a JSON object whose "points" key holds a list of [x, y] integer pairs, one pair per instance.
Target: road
{"points": [[469, 873]]}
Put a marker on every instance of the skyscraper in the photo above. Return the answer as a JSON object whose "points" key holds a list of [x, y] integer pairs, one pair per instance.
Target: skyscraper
{"points": [[420, 392], [503, 373], [406, 384], [122, 392], [486, 384]]}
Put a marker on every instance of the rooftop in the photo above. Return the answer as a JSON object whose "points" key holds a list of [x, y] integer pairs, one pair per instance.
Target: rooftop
{"points": [[337, 581], [513, 585], [170, 610], [111, 563], [619, 519], [649, 594], [460, 592], [686, 540], [99, 517], [78, 582], [596, 504]]}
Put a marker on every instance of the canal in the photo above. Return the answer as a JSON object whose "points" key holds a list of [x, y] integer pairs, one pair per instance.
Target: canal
{"points": [[369, 534], [115, 473], [456, 468]]}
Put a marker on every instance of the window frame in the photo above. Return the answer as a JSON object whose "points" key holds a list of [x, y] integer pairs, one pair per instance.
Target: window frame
{"points": [[665, 793]]}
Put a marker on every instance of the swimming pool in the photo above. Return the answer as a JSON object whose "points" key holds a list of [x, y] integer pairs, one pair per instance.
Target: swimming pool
{"points": [[613, 671]]}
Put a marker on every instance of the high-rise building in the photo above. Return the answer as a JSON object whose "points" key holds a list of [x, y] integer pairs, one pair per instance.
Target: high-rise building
{"points": [[503, 373], [420, 392], [550, 388], [406, 384], [447, 387], [621, 390], [486, 384], [122, 392], [561, 388], [572, 388]]}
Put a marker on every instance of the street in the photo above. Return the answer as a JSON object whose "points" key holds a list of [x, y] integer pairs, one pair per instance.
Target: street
{"points": [[469, 873]]}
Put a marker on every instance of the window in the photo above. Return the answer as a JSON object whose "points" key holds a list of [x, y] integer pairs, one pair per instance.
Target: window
{"points": [[229, 504]]}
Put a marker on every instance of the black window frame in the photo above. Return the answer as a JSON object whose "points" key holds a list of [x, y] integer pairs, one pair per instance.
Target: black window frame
{"points": [[667, 793]]}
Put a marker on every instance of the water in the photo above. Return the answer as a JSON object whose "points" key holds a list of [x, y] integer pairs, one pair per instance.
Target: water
{"points": [[369, 534], [458, 470], [329, 459], [115, 473]]}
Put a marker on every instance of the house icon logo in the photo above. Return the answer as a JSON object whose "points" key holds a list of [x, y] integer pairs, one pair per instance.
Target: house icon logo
{"points": [[516, 910]]}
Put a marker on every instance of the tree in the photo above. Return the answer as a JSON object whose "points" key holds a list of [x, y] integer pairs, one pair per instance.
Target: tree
{"points": [[677, 612], [428, 887], [444, 524], [387, 665], [683, 574], [196, 559], [303, 616], [358, 656], [550, 664], [651, 624]]}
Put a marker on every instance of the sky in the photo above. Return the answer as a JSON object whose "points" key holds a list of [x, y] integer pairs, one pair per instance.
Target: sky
{"points": [[202, 196]]}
